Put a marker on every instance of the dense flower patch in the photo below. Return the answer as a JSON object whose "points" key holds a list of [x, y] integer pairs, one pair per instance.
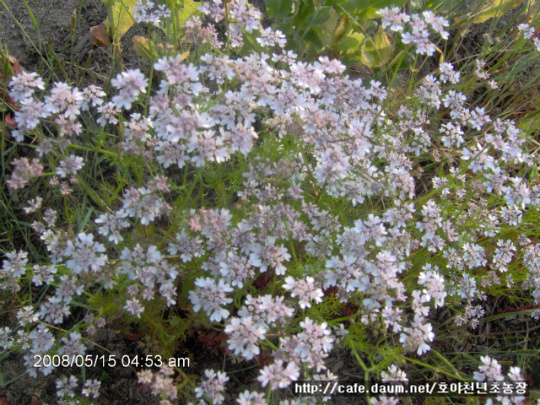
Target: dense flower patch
{"points": [[328, 198]]}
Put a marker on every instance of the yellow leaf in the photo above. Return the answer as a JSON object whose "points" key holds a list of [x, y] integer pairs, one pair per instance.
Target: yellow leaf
{"points": [[184, 55], [341, 28], [378, 50], [144, 47], [120, 19], [533, 12], [495, 8], [189, 8]]}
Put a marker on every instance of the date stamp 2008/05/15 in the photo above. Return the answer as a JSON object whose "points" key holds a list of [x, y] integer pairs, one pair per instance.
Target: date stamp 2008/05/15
{"points": [[111, 360]]}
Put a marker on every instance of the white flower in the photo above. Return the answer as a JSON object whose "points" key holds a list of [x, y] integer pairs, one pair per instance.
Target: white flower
{"points": [[416, 337], [24, 84], [251, 398], [213, 387], [527, 30], [491, 370], [435, 287], [243, 336], [70, 165], [515, 374], [130, 84], [91, 389], [134, 307], [210, 296], [15, 265], [278, 376], [305, 290], [84, 254]]}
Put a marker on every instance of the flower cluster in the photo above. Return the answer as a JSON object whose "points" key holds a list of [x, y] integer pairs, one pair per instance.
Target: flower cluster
{"points": [[491, 371], [333, 205], [529, 33], [148, 12], [161, 384], [24, 170], [243, 336], [211, 296], [212, 389], [415, 29], [305, 290]]}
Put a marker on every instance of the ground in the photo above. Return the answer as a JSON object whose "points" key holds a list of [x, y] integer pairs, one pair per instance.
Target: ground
{"points": [[64, 27]]}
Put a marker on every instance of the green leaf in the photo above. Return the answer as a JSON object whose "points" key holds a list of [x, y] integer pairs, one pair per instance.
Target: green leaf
{"points": [[350, 42], [325, 31], [120, 19], [286, 25], [530, 352], [495, 8], [279, 9], [368, 8], [314, 38], [190, 8], [85, 220], [319, 16], [250, 45], [378, 50]]}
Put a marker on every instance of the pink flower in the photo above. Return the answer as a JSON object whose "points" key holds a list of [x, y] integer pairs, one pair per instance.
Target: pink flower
{"points": [[278, 376], [210, 296], [24, 84], [213, 387], [243, 336], [134, 307], [305, 290], [416, 337], [130, 84], [85, 254], [490, 370]]}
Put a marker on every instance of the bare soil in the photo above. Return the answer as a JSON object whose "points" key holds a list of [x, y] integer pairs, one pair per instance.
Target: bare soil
{"points": [[62, 42]]}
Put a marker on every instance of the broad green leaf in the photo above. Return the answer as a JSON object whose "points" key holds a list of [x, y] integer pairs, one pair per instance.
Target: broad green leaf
{"points": [[350, 42], [120, 19], [189, 8], [314, 38], [326, 30], [351, 58], [307, 20], [378, 50], [319, 16], [286, 26], [279, 9], [369, 7], [250, 45], [495, 8], [373, 12]]}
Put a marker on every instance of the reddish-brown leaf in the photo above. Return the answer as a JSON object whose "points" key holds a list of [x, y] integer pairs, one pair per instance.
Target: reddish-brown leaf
{"points": [[99, 35], [133, 336]]}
